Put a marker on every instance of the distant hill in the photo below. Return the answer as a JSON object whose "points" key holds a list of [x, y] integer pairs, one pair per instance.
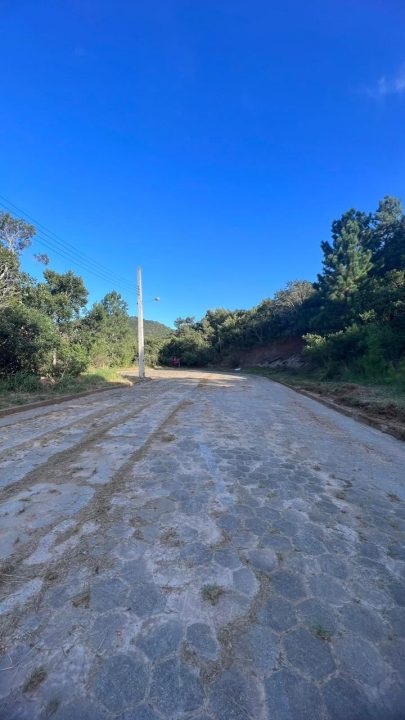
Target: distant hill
{"points": [[152, 328]]}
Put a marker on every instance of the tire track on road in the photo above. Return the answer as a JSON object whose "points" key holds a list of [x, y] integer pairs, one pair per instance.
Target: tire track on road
{"points": [[81, 422], [55, 459]]}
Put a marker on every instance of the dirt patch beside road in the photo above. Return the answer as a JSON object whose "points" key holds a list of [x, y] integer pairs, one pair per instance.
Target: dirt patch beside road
{"points": [[375, 405]]}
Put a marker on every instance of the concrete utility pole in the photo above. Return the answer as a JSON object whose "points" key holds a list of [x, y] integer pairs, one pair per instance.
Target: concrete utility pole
{"points": [[141, 347]]}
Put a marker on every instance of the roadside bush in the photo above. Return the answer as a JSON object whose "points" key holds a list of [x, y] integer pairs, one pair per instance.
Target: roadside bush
{"points": [[20, 382], [190, 347], [27, 339], [153, 347], [366, 352], [72, 359]]}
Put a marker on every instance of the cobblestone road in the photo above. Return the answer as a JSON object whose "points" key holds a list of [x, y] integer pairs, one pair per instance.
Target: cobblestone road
{"points": [[202, 546]]}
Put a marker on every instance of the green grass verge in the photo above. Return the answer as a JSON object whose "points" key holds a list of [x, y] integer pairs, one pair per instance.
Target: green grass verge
{"points": [[23, 388]]}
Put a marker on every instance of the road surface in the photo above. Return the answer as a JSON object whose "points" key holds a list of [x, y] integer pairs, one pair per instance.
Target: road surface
{"points": [[201, 546]]}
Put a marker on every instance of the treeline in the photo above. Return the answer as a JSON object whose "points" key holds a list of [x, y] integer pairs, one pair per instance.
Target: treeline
{"points": [[45, 328], [352, 318]]}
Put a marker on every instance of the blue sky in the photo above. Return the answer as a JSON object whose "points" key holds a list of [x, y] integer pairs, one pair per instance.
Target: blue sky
{"points": [[212, 142]]}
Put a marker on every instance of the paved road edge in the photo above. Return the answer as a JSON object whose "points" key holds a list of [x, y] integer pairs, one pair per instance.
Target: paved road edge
{"points": [[354, 414]]}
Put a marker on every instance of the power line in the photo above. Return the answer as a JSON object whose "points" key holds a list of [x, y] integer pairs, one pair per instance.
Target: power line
{"points": [[41, 241], [59, 241], [51, 241]]}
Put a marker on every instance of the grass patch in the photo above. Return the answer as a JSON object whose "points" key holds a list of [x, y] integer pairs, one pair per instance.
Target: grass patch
{"points": [[22, 388], [82, 600], [35, 679], [212, 593], [393, 497], [322, 633]]}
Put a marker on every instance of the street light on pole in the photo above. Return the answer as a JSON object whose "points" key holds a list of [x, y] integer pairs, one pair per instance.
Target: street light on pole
{"points": [[141, 345]]}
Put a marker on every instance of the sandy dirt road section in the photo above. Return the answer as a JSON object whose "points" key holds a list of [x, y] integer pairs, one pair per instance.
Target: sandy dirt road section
{"points": [[200, 546]]}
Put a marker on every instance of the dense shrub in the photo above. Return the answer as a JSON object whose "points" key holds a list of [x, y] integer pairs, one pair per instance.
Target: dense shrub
{"points": [[27, 339]]}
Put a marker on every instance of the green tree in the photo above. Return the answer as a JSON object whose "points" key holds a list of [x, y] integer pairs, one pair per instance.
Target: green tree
{"points": [[347, 261], [184, 323], [10, 281], [388, 236], [62, 297], [109, 335], [27, 339], [190, 347], [15, 234]]}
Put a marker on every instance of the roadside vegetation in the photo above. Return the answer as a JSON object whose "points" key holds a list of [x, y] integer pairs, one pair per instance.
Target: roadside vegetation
{"points": [[349, 324], [51, 343], [381, 404], [351, 321], [22, 388]]}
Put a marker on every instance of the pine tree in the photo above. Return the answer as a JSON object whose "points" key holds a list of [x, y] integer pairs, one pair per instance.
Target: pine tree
{"points": [[347, 261], [388, 236]]}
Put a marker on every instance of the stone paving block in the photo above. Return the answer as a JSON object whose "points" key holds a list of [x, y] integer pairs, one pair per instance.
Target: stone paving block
{"points": [[234, 696], [363, 621], [146, 598], [16, 659], [277, 613], [120, 683], [264, 560], [174, 689], [108, 631], [141, 712], [196, 554], [244, 580], [335, 566], [313, 613], [290, 697], [396, 618], [345, 701], [360, 659], [229, 522], [200, 636], [275, 542], [309, 654], [161, 640], [135, 571], [258, 527], [108, 594], [328, 589], [227, 558], [397, 592], [78, 709], [391, 704], [288, 585], [308, 544], [260, 648], [394, 653]]}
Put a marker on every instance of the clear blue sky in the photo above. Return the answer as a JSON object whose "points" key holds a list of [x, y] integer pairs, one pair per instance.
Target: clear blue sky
{"points": [[210, 141]]}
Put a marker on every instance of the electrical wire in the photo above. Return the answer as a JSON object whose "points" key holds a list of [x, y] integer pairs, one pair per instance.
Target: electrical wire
{"points": [[68, 251]]}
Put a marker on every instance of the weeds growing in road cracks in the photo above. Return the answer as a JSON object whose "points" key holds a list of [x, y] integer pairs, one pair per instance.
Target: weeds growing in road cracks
{"points": [[322, 632], [82, 600], [35, 679], [212, 593]]}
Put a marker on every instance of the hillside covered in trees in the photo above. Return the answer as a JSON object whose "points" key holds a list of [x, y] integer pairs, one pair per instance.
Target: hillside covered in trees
{"points": [[152, 328], [352, 318]]}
